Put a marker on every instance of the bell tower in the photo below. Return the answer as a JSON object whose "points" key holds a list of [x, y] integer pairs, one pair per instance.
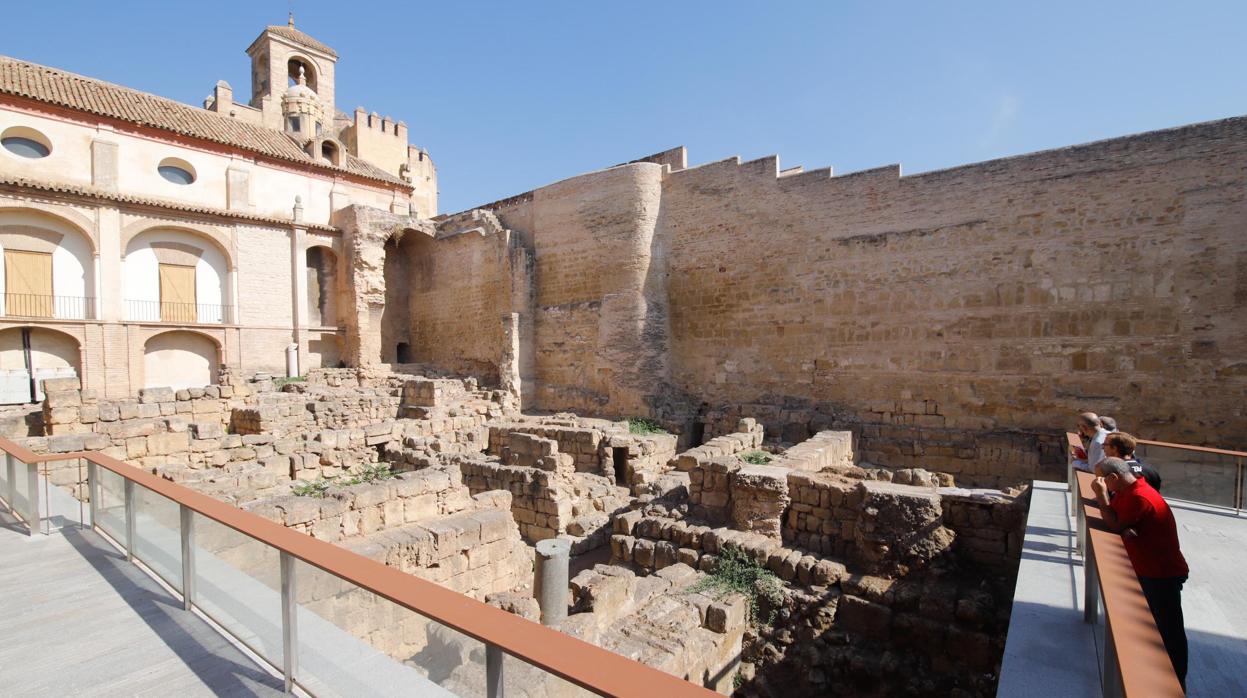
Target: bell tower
{"points": [[279, 56]]}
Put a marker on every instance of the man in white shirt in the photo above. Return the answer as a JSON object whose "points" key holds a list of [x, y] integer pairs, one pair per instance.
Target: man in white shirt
{"points": [[1093, 436]]}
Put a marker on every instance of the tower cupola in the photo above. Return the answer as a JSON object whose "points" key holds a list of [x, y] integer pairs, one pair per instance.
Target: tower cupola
{"points": [[301, 110]]}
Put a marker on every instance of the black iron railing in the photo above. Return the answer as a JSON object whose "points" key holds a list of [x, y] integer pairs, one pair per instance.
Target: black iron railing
{"points": [[179, 313], [32, 305]]}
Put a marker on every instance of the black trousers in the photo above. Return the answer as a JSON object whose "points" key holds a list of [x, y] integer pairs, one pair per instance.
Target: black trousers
{"points": [[1164, 598]]}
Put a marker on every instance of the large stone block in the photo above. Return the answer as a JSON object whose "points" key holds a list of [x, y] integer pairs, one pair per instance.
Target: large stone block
{"points": [[156, 395]]}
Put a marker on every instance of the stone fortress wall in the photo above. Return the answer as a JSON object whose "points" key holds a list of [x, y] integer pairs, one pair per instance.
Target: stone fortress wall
{"points": [[951, 319]]}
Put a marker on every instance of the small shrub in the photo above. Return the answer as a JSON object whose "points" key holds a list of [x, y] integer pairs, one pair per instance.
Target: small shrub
{"points": [[738, 573], [371, 473], [279, 382], [641, 425], [757, 457], [311, 488]]}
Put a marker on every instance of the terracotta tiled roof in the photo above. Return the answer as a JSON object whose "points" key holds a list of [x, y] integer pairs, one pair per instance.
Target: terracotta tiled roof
{"points": [[80, 93], [299, 37], [89, 192]]}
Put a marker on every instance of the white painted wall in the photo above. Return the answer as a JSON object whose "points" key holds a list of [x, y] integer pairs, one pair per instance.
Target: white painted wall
{"points": [[71, 261], [179, 360], [141, 272], [273, 186]]}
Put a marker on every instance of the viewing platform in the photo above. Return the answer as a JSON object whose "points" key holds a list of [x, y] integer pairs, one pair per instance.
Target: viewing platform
{"points": [[1052, 650], [149, 588], [93, 624]]}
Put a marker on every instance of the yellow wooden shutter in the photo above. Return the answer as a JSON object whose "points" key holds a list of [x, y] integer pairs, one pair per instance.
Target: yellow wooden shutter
{"points": [[28, 283], [177, 293]]}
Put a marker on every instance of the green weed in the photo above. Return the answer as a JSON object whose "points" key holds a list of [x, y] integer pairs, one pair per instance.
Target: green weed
{"points": [[737, 573], [641, 425]]}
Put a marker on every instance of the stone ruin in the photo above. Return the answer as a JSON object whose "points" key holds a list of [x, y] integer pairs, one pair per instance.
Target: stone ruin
{"points": [[893, 580]]}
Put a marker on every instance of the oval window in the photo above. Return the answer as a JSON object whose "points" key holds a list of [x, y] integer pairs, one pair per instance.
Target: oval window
{"points": [[176, 171], [26, 142]]}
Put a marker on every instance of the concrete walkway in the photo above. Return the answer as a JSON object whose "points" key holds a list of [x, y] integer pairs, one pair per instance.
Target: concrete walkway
{"points": [[80, 620], [1214, 600], [75, 577], [1050, 651]]}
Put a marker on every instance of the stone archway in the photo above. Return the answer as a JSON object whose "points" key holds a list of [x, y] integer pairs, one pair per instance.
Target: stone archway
{"points": [[180, 359]]}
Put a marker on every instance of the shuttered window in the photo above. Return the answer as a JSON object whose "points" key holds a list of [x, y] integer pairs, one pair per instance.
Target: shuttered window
{"points": [[28, 283], [177, 293]]}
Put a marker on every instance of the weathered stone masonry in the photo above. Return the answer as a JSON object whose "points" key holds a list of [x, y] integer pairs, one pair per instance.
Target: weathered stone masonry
{"points": [[950, 319]]}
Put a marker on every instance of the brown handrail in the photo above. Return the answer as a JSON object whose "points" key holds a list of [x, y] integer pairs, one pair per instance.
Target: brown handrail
{"points": [[588, 666], [1074, 441], [1141, 657], [1201, 449]]}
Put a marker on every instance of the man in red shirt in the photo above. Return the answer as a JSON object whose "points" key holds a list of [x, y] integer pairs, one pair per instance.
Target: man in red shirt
{"points": [[1150, 534]]}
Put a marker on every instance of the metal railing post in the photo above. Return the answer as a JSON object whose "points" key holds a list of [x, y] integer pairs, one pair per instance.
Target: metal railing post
{"points": [[1238, 501], [10, 495], [493, 672], [32, 498], [130, 520], [289, 622], [93, 489], [1110, 672], [1081, 528], [187, 529], [1091, 590]]}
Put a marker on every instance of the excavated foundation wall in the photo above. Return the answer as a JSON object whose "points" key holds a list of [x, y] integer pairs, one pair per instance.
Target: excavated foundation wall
{"points": [[872, 557]]}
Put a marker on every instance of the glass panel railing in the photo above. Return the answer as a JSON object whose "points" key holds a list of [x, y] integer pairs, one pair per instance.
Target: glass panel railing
{"points": [[110, 511], [353, 642], [21, 490], [157, 535], [238, 585], [1196, 476], [521, 678]]}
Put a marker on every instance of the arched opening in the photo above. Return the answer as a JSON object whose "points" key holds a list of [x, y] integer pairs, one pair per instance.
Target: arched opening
{"points": [[259, 76], [179, 360], [28, 356], [175, 276], [402, 353], [404, 256], [322, 286], [329, 152], [47, 268], [292, 72]]}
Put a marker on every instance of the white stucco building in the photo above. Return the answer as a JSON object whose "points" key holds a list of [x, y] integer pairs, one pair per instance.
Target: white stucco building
{"points": [[147, 242]]}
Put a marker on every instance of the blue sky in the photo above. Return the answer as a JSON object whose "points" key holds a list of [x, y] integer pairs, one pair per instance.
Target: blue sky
{"points": [[509, 96]]}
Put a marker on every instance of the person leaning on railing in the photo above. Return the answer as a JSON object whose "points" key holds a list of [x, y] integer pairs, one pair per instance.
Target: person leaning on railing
{"points": [[1150, 535], [1119, 444], [1093, 438]]}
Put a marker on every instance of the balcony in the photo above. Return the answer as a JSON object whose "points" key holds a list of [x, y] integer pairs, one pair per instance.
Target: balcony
{"points": [[179, 313], [28, 305]]}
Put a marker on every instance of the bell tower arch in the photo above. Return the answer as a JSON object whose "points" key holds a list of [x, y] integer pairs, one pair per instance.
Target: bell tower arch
{"points": [[279, 56]]}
